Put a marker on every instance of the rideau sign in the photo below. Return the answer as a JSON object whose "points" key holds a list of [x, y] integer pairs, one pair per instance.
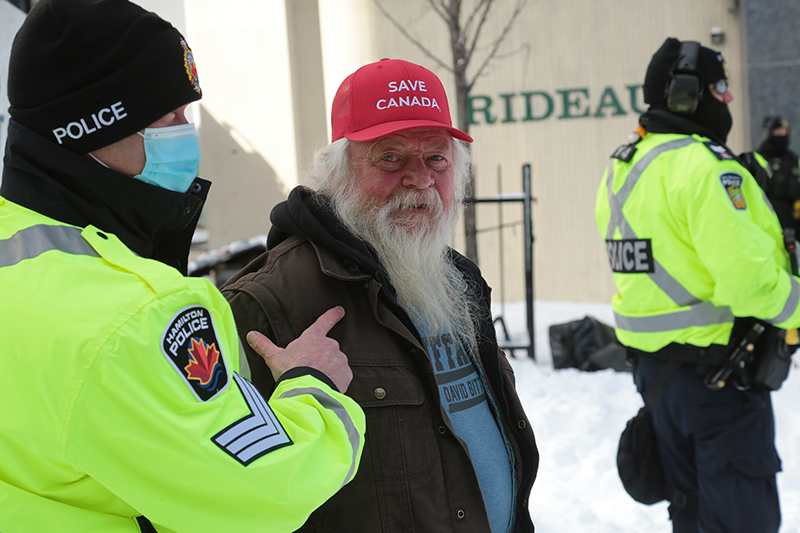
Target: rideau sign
{"points": [[560, 104]]}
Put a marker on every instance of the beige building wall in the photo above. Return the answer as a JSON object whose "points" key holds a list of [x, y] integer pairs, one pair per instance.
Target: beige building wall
{"points": [[247, 136], [269, 70], [587, 52]]}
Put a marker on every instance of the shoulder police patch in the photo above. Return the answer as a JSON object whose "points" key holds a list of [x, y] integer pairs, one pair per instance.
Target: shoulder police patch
{"points": [[722, 152], [733, 186], [190, 344], [630, 256]]}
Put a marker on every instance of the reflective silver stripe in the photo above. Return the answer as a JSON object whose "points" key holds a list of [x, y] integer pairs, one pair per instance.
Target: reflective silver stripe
{"points": [[617, 201], [660, 276], [703, 314], [244, 364], [700, 313], [36, 240], [328, 402], [791, 303]]}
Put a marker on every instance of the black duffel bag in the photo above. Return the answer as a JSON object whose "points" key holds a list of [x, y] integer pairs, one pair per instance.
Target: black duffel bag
{"points": [[638, 463], [637, 460]]}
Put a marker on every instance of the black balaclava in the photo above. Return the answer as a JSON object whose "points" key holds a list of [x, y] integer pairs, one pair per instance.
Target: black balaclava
{"points": [[710, 113], [774, 145]]}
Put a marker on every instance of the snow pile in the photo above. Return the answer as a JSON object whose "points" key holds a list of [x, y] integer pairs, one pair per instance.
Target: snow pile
{"points": [[577, 418]]}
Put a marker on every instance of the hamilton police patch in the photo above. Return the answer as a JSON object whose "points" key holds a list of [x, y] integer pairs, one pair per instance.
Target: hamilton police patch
{"points": [[733, 186], [190, 344]]}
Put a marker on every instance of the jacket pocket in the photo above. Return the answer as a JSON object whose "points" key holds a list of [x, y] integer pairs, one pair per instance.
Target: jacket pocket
{"points": [[400, 431], [384, 386]]}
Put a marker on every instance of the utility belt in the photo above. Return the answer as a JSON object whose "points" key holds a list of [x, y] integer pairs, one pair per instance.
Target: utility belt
{"points": [[704, 358], [757, 357]]}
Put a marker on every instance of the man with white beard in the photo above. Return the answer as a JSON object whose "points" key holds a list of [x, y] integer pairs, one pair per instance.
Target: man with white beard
{"points": [[448, 445]]}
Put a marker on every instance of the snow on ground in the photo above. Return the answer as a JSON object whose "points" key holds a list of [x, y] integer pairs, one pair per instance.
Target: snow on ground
{"points": [[577, 418]]}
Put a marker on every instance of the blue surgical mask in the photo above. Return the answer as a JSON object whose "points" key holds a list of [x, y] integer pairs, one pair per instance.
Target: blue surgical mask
{"points": [[171, 157]]}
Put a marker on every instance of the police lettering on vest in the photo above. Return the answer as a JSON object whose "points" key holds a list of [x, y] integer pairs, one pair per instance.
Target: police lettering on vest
{"points": [[407, 101], [104, 117], [630, 256]]}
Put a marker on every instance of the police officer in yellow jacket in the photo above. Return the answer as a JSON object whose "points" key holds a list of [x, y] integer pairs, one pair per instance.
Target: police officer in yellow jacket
{"points": [[693, 247], [124, 404]]}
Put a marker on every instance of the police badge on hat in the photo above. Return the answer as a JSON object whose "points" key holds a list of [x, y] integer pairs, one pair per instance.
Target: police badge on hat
{"points": [[190, 344]]}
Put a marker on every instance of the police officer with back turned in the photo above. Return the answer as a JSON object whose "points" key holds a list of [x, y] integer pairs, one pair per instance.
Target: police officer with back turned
{"points": [[124, 403], [699, 263]]}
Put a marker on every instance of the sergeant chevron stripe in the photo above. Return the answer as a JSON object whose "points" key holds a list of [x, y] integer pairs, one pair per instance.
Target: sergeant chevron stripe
{"points": [[256, 434]]}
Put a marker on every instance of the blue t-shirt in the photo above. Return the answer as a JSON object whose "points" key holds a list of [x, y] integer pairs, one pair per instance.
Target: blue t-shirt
{"points": [[466, 402]]}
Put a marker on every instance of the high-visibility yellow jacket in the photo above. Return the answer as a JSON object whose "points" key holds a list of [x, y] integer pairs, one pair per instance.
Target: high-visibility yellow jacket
{"points": [[692, 243], [121, 395]]}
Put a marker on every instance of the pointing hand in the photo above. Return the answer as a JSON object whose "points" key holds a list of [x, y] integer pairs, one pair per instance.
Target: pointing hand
{"points": [[313, 348]]}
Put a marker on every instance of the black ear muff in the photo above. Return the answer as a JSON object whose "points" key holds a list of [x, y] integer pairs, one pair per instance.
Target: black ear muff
{"points": [[684, 89]]}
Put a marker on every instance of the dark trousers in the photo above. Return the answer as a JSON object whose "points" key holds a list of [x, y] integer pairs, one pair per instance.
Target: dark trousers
{"points": [[717, 447]]}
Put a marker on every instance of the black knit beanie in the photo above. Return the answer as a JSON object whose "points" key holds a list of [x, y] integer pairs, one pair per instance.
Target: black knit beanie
{"points": [[710, 113], [710, 68], [87, 73]]}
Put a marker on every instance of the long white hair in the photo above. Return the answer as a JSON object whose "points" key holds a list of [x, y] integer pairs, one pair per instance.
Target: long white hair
{"points": [[413, 250]]}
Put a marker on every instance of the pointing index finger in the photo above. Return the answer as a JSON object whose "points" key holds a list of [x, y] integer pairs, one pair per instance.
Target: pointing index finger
{"points": [[327, 320]]}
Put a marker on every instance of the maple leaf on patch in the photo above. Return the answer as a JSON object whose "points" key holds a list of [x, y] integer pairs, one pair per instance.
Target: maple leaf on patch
{"points": [[203, 360]]}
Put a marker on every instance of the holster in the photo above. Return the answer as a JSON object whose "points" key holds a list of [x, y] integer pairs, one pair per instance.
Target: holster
{"points": [[771, 359]]}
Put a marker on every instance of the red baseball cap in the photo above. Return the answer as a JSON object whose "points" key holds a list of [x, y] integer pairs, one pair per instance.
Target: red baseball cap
{"points": [[388, 96]]}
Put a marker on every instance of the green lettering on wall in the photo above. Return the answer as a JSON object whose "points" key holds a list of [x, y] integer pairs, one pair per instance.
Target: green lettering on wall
{"points": [[548, 100], [633, 90], [487, 104], [570, 103], [509, 109], [609, 99]]}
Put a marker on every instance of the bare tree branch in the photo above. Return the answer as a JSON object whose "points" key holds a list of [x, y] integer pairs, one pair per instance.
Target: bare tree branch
{"points": [[471, 16], [440, 8], [413, 40], [484, 16], [496, 45]]}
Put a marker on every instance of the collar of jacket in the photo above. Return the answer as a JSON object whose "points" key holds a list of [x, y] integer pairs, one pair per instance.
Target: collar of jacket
{"points": [[662, 121], [308, 214], [153, 222]]}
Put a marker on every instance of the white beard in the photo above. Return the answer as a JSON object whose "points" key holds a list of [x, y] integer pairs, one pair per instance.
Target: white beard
{"points": [[412, 247]]}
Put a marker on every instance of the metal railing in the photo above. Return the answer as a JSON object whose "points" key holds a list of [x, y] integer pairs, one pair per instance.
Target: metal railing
{"points": [[526, 198]]}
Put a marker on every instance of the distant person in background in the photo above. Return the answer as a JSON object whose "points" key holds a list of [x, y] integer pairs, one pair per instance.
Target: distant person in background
{"points": [[783, 187]]}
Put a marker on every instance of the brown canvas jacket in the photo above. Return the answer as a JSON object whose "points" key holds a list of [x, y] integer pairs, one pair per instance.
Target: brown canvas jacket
{"points": [[415, 474]]}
